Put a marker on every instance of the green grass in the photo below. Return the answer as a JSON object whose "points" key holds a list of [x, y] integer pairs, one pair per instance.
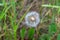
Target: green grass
{"points": [[9, 22]]}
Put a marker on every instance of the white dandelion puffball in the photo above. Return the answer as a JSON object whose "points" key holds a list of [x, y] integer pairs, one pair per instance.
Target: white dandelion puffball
{"points": [[32, 19]]}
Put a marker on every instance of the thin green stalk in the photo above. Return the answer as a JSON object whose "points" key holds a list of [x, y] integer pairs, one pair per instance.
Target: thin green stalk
{"points": [[15, 36], [14, 19], [51, 6]]}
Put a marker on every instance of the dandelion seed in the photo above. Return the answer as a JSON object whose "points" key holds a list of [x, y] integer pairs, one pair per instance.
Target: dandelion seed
{"points": [[32, 19]]}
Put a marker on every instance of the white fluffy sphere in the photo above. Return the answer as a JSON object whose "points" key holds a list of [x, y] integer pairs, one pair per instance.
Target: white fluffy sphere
{"points": [[32, 19]]}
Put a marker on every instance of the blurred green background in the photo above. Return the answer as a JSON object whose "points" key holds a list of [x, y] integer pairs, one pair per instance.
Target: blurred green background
{"points": [[12, 20]]}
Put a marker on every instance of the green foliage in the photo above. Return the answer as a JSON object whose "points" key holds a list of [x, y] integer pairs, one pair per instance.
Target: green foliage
{"points": [[22, 33], [4, 12], [31, 32], [58, 37], [9, 10], [58, 2], [52, 28], [50, 6], [45, 37]]}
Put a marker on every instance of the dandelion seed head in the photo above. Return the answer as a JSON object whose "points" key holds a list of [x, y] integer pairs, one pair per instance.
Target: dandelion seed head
{"points": [[32, 19]]}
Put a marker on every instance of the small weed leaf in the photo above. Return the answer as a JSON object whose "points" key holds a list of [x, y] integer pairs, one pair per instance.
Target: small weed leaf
{"points": [[31, 33], [52, 28], [58, 37], [22, 32]]}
